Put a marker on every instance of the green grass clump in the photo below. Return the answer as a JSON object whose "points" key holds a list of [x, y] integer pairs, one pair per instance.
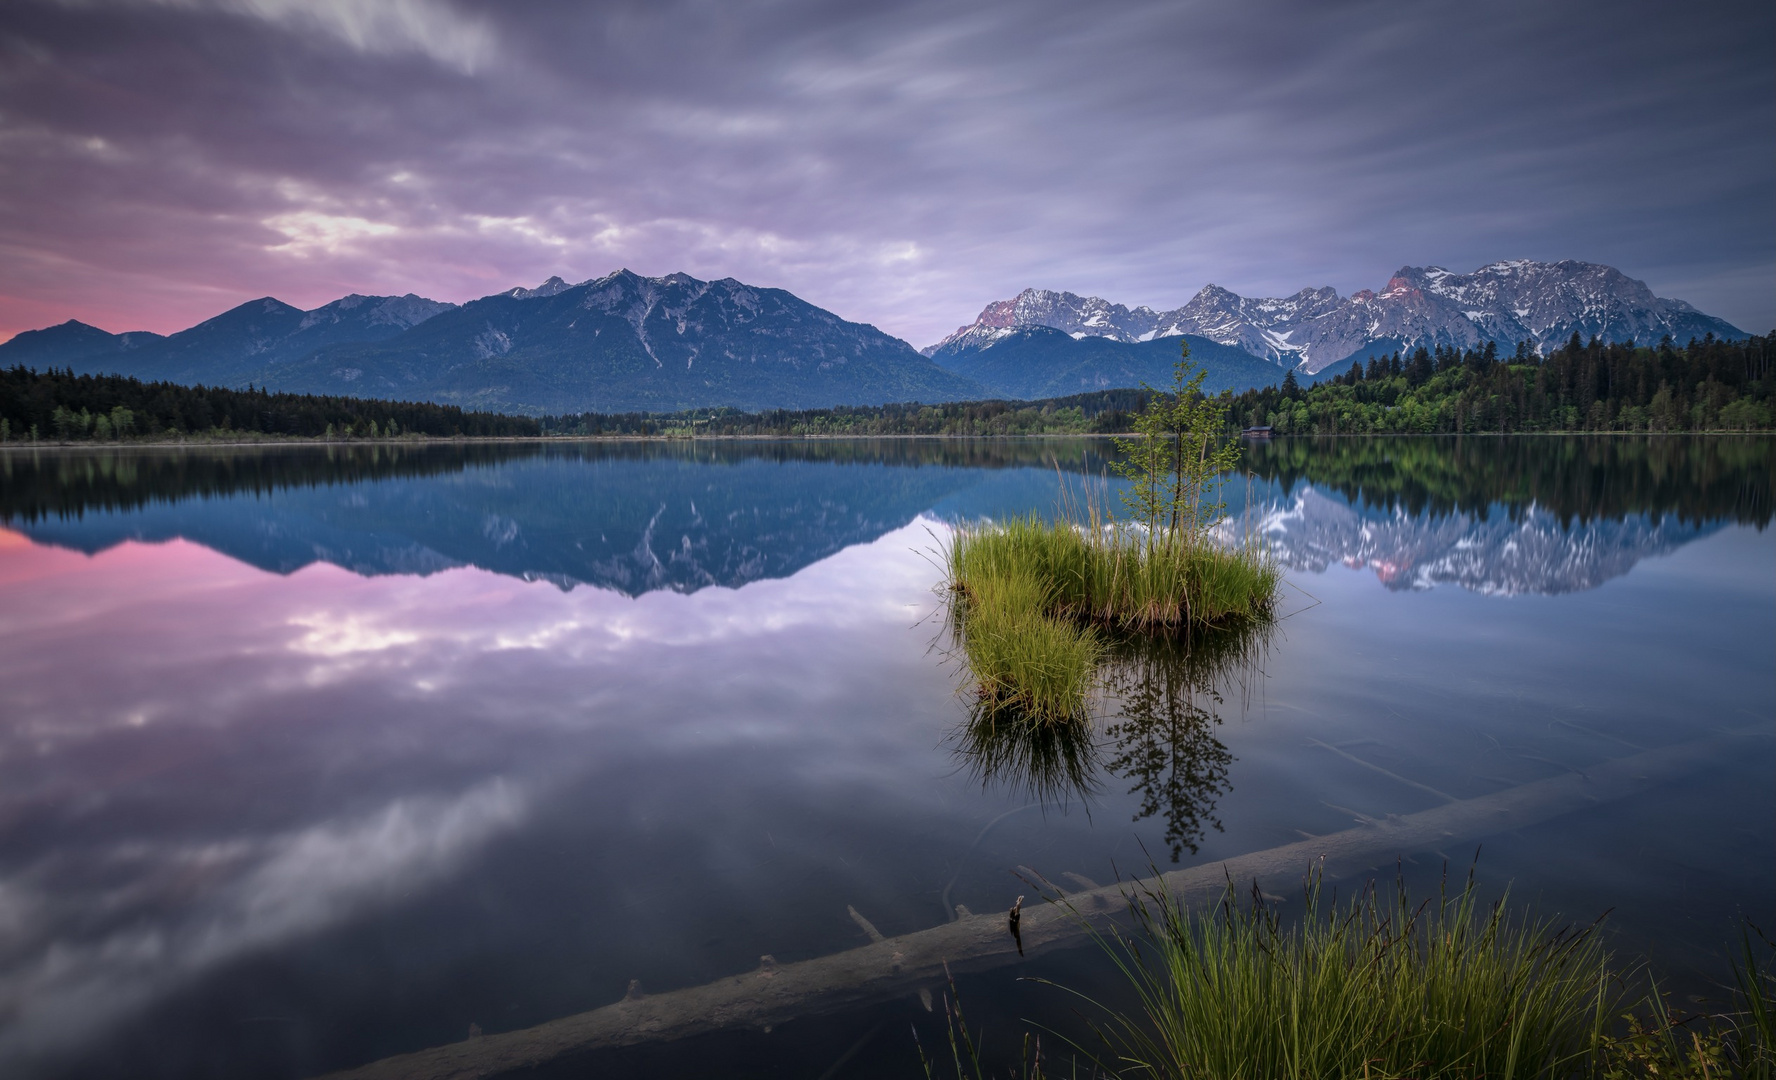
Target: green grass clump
{"points": [[1374, 989], [1110, 575], [1382, 989], [1029, 665], [1034, 601]]}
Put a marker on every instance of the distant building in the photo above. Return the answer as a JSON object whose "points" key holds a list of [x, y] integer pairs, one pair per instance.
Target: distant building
{"points": [[1261, 432]]}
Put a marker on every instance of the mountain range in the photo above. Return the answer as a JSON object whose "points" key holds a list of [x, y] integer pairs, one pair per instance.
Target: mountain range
{"points": [[232, 349], [1032, 362], [1317, 329], [624, 342], [617, 343]]}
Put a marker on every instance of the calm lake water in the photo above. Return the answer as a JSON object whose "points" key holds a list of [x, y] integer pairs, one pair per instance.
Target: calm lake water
{"points": [[309, 756]]}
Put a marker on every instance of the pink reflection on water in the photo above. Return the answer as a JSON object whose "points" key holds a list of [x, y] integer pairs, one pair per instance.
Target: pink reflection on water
{"points": [[200, 759]]}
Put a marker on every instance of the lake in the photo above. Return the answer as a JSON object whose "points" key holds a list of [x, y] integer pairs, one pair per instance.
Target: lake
{"points": [[311, 756]]}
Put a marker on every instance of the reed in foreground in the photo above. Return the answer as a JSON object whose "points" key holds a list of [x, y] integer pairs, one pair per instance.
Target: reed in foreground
{"points": [[1382, 989], [1378, 988]]}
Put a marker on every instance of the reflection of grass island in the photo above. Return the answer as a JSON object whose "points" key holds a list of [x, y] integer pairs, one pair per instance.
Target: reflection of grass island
{"points": [[1165, 697], [1034, 598]]}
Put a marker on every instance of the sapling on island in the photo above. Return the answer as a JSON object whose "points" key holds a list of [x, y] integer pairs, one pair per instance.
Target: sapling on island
{"points": [[1035, 598]]}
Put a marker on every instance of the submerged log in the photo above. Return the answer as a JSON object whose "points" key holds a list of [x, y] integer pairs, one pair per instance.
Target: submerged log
{"points": [[892, 967]]}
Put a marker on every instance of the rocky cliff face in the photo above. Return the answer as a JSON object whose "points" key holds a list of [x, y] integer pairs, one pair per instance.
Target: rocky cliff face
{"points": [[1507, 302]]}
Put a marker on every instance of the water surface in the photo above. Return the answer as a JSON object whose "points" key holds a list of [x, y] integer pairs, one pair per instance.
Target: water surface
{"points": [[312, 756]]}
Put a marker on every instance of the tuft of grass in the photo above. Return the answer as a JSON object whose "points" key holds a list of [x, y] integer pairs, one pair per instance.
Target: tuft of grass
{"points": [[1378, 988], [1028, 665], [1109, 575], [1035, 600]]}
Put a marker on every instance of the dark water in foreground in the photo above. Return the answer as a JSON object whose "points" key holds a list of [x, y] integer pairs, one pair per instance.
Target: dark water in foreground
{"points": [[311, 757]]}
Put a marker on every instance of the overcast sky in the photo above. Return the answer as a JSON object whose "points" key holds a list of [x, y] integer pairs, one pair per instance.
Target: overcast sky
{"points": [[902, 164]]}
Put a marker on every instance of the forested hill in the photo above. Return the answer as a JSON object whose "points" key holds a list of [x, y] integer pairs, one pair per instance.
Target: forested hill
{"points": [[1099, 412], [1707, 385], [60, 406]]}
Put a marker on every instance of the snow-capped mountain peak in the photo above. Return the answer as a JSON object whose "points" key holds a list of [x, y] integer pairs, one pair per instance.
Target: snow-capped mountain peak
{"points": [[554, 286], [1315, 328]]}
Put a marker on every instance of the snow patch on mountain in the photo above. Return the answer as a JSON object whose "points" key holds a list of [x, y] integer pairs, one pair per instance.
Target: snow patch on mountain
{"points": [[553, 287], [1507, 302]]}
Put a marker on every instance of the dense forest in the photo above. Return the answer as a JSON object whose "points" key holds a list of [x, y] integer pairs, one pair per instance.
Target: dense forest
{"points": [[60, 406], [1707, 385], [1080, 414]]}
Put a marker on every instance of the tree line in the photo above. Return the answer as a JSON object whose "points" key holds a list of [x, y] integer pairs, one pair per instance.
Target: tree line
{"points": [[1100, 412], [1707, 385], [60, 406]]}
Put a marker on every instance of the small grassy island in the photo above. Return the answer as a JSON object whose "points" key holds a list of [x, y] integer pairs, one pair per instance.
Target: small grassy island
{"points": [[1036, 602]]}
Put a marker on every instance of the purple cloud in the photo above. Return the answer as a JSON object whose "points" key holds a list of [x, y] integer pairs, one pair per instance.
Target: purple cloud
{"points": [[900, 164]]}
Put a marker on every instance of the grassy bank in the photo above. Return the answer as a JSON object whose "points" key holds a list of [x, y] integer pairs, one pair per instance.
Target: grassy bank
{"points": [[1379, 987], [1386, 988]]}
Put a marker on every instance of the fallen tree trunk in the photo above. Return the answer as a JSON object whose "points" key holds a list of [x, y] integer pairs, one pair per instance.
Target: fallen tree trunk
{"points": [[897, 966]]}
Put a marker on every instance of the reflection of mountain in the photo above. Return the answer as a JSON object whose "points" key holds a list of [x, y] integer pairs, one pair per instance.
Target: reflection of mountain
{"points": [[633, 526], [1533, 514], [629, 517], [1526, 551]]}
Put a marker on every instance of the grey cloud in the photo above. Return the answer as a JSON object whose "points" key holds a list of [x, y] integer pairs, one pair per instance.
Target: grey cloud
{"points": [[901, 164]]}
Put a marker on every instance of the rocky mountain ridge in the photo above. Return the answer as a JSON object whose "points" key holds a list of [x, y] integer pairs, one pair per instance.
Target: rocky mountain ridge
{"points": [[234, 348], [1314, 329], [1034, 362], [624, 342], [621, 342]]}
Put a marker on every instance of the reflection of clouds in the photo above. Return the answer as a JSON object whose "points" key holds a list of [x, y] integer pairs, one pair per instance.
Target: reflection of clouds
{"points": [[184, 908], [218, 687], [1532, 553], [340, 635]]}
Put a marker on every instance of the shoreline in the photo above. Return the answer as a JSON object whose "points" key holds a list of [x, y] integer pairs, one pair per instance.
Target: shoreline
{"points": [[198, 444]]}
